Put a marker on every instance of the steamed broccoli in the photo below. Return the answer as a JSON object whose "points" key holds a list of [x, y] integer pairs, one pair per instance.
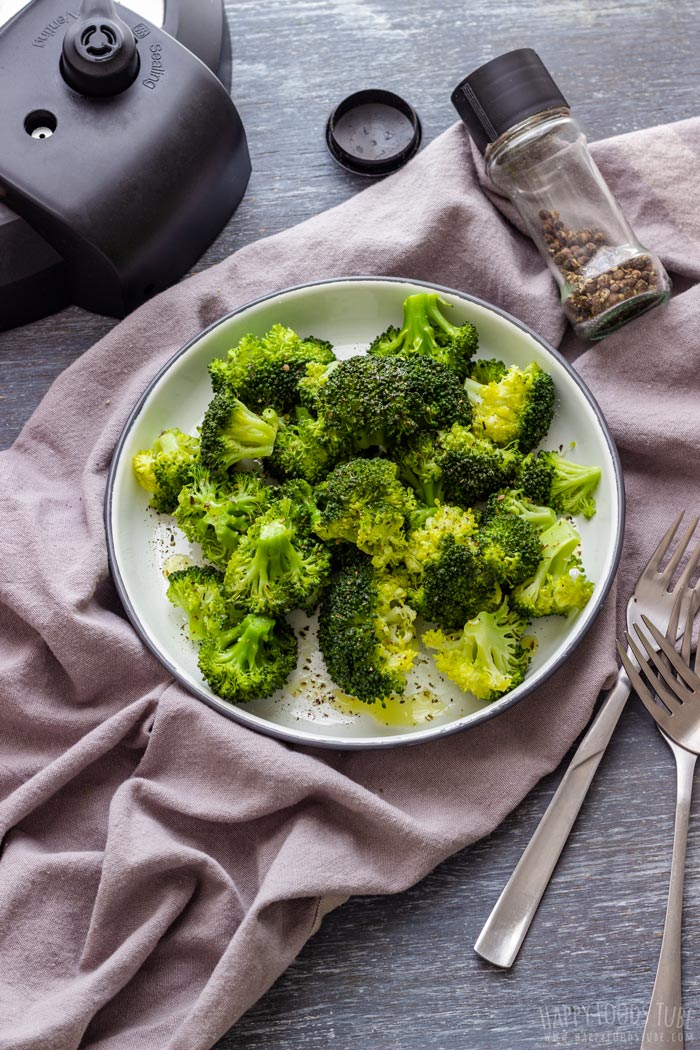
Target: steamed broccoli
{"points": [[451, 580], [251, 660], [488, 658], [427, 534], [364, 502], [559, 585], [166, 467], [454, 466], [216, 514], [418, 518], [514, 502], [277, 566], [231, 432], [199, 590], [312, 382], [547, 477], [264, 372], [519, 408], [366, 629], [306, 448], [510, 548], [301, 501], [380, 401], [427, 331], [487, 370], [420, 466], [472, 467]]}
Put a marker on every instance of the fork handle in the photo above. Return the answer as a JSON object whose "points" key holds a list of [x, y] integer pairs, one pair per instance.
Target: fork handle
{"points": [[664, 1027], [505, 929]]}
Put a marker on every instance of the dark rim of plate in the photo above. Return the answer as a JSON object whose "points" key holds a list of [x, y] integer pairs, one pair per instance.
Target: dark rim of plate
{"points": [[424, 736]]}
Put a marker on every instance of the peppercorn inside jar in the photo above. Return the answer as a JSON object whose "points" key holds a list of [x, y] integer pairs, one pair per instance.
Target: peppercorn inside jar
{"points": [[604, 285], [537, 155]]}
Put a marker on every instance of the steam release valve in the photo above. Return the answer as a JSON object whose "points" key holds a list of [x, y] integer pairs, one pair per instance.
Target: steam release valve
{"points": [[99, 57]]}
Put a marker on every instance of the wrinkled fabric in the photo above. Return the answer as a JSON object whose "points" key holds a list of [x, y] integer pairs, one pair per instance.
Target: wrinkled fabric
{"points": [[162, 865]]}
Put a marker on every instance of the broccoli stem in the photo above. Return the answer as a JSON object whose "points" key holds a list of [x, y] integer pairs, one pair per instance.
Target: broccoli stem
{"points": [[241, 646], [276, 551], [428, 490], [275, 558], [435, 315], [421, 316], [558, 544], [255, 433], [573, 485]]}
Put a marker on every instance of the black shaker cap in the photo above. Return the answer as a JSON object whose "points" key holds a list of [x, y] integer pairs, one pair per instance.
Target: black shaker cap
{"points": [[504, 91], [373, 132]]}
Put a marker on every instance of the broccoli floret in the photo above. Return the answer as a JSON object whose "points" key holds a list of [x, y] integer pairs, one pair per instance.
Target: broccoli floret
{"points": [[451, 581], [199, 590], [456, 467], [419, 464], [252, 660], [380, 401], [265, 372], [312, 382], [510, 548], [231, 432], [559, 586], [366, 629], [472, 467], [364, 502], [547, 477], [519, 408], [277, 566], [489, 657], [426, 536], [419, 517], [301, 503], [487, 370], [216, 514], [535, 476], [427, 331], [514, 502], [166, 467], [305, 449]]}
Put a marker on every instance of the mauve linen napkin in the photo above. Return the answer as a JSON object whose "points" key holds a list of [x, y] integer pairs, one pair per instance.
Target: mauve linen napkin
{"points": [[163, 865]]}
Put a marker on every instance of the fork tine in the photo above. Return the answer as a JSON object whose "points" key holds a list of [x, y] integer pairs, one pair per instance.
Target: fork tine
{"points": [[655, 560], [657, 711], [684, 600], [689, 624], [670, 699], [680, 550], [687, 643], [664, 668], [670, 653], [692, 564]]}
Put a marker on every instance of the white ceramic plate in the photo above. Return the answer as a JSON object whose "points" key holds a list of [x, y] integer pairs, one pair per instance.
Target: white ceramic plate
{"points": [[311, 710]]}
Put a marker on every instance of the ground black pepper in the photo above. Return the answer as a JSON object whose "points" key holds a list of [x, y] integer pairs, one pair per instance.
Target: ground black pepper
{"points": [[614, 281]]}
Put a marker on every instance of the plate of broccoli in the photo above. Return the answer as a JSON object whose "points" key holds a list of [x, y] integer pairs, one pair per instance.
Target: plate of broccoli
{"points": [[364, 512]]}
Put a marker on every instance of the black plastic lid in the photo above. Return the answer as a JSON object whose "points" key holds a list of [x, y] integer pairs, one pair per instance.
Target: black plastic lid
{"points": [[373, 132], [498, 95]]}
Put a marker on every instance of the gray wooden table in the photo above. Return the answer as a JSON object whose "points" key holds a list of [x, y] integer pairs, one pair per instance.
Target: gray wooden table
{"points": [[399, 972]]}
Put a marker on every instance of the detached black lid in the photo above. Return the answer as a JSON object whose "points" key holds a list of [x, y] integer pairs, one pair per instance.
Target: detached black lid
{"points": [[504, 91], [373, 132]]}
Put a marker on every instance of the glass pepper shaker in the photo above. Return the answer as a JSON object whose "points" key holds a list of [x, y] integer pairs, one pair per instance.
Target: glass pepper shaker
{"points": [[537, 155]]}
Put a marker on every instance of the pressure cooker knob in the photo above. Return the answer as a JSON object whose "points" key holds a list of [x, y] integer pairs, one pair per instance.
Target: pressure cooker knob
{"points": [[99, 56]]}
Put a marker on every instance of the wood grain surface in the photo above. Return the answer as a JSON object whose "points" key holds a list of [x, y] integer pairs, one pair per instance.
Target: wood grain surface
{"points": [[400, 973]]}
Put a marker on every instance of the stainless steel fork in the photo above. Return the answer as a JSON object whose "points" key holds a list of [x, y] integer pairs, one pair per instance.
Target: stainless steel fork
{"points": [[674, 702], [505, 929]]}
